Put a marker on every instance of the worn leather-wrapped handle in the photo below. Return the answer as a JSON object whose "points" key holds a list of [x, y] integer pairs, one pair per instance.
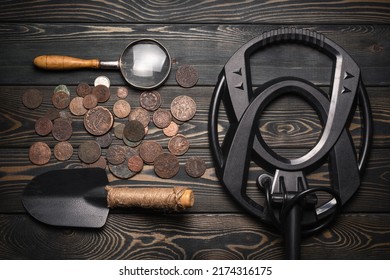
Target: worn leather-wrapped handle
{"points": [[60, 62]]}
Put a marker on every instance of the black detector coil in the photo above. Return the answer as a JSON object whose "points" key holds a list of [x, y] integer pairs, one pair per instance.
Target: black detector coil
{"points": [[290, 204]]}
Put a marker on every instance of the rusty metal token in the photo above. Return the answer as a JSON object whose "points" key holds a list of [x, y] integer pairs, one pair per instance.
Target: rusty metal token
{"points": [[122, 92], [32, 98], [100, 163], [118, 130], [60, 99], [90, 101], [83, 89], [121, 109], [134, 131], [105, 140], [39, 153], [141, 115], [166, 165], [195, 167], [149, 150], [171, 130], [102, 93], [162, 118], [115, 154], [62, 129], [187, 76], [178, 145], [150, 100], [102, 80], [135, 163], [63, 88], [63, 151], [89, 151], [183, 108], [43, 126], [98, 121], [76, 106], [52, 114]]}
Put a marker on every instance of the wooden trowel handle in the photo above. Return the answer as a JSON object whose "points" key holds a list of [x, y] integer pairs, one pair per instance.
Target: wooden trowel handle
{"points": [[60, 62], [176, 199]]}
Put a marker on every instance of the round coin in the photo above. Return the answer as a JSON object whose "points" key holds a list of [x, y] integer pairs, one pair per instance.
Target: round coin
{"points": [[149, 150], [83, 89], [166, 165], [65, 115], [39, 153], [135, 163], [32, 98], [171, 130], [89, 151], [150, 100], [63, 88], [183, 108], [102, 93], [195, 167], [90, 101], [115, 154], [43, 126], [102, 80], [130, 143], [187, 76], [141, 115], [121, 171], [100, 163], [60, 99], [105, 140], [63, 151], [62, 129], [98, 121], [121, 109], [76, 106], [122, 92], [52, 114], [118, 130], [134, 131], [178, 145], [162, 118]]}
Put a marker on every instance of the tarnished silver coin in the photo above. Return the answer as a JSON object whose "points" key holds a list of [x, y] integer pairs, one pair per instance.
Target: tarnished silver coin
{"points": [[102, 80], [63, 88], [150, 100]]}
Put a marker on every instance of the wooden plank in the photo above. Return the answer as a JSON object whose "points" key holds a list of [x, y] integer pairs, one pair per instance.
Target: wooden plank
{"points": [[207, 47], [348, 12], [151, 236]]}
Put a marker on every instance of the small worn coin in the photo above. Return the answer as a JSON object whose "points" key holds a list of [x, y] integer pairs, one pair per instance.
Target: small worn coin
{"points": [[105, 140], [141, 115], [102, 80], [166, 165], [118, 130], [171, 130], [89, 151], [83, 89], [135, 163], [39, 153], [63, 150], [102, 93], [62, 129], [32, 98], [187, 76], [98, 121], [149, 150], [150, 100], [178, 145], [43, 126], [134, 131], [66, 116], [195, 167], [100, 163], [63, 88], [121, 171], [122, 92], [131, 143], [162, 118], [121, 108], [52, 114], [90, 101], [60, 99], [183, 108], [115, 154], [76, 106]]}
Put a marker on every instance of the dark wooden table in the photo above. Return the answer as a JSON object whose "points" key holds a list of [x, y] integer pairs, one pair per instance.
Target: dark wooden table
{"points": [[204, 34]]}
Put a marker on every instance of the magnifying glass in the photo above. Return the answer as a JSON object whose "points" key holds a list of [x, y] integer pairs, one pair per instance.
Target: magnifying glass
{"points": [[144, 64]]}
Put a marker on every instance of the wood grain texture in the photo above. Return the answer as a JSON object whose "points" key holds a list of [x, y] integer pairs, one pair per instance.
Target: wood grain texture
{"points": [[206, 11]]}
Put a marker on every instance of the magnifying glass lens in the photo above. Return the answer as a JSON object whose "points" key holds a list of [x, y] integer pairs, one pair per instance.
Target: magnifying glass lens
{"points": [[145, 64]]}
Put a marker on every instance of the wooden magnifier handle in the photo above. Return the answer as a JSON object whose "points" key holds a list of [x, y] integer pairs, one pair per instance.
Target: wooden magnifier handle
{"points": [[61, 62]]}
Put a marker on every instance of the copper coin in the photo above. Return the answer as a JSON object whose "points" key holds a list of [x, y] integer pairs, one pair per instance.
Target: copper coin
{"points": [[63, 150], [83, 89], [60, 99], [121, 171], [90, 101], [115, 154], [149, 150], [89, 151], [178, 145], [171, 130], [102, 93], [62, 129], [100, 163], [105, 140], [129, 143], [183, 108], [122, 92], [162, 118], [39, 153], [195, 167], [76, 106], [98, 121], [32, 98], [135, 163], [150, 100], [187, 76], [65, 115], [166, 165], [121, 109], [134, 131], [118, 130], [43, 126], [141, 115], [52, 114]]}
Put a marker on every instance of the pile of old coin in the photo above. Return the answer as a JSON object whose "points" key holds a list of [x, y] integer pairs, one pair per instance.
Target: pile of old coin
{"points": [[126, 123]]}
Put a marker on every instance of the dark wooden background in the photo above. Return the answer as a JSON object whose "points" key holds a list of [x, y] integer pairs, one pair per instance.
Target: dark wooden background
{"points": [[204, 34]]}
